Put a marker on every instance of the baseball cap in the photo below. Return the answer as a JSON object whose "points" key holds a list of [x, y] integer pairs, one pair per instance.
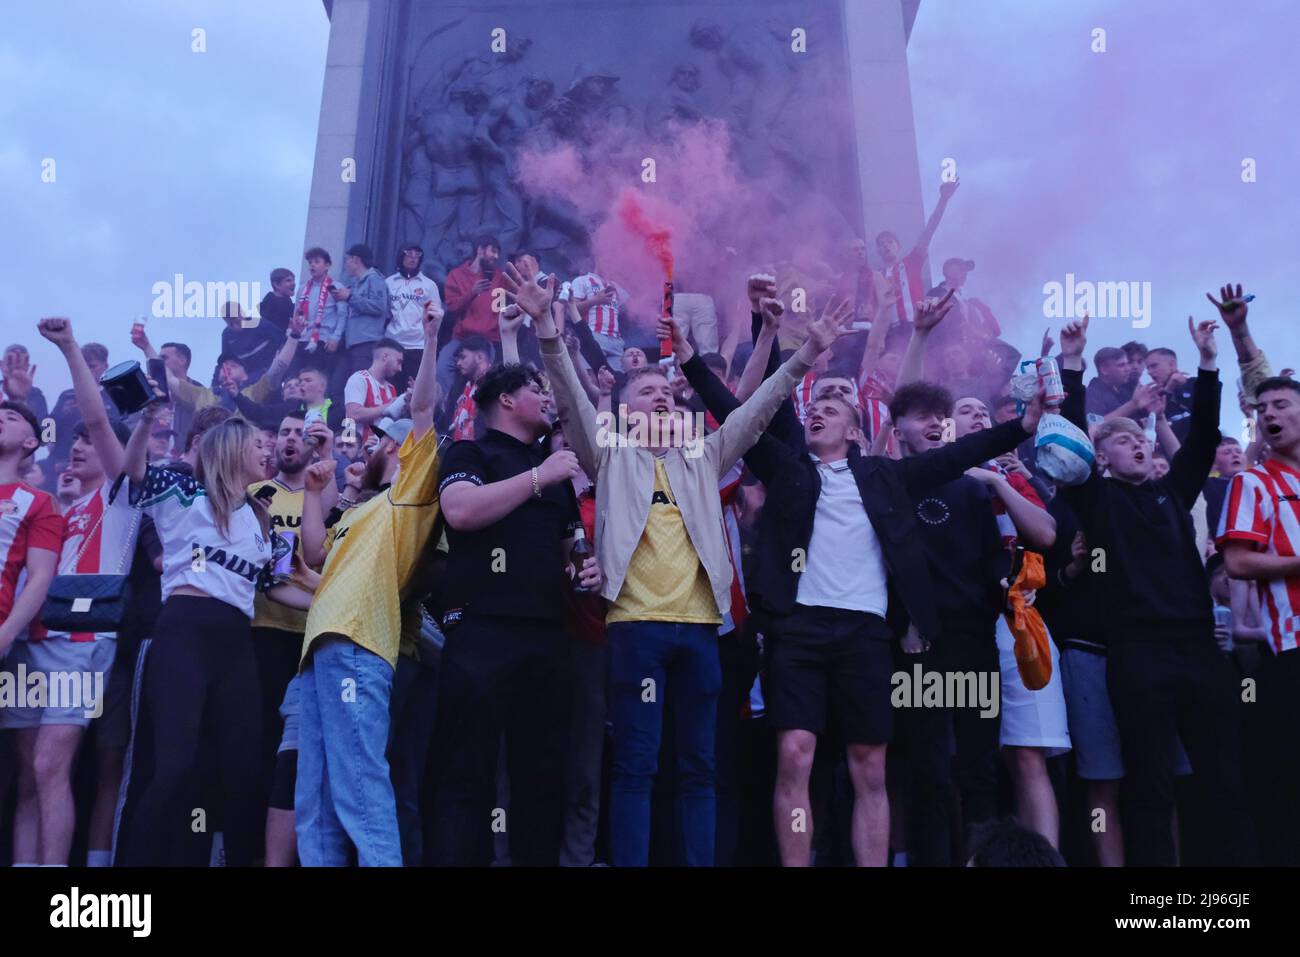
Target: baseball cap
{"points": [[395, 429], [966, 265]]}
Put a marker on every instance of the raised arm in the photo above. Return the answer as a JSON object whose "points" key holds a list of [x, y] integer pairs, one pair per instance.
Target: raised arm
{"points": [[576, 409], [744, 426], [928, 314], [1189, 469], [509, 320], [945, 194], [135, 460], [424, 392], [89, 400]]}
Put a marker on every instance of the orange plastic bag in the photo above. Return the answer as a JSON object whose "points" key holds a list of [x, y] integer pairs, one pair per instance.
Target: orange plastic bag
{"points": [[1033, 653]]}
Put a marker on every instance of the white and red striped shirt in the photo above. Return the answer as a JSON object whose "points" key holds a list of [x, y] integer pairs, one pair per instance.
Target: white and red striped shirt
{"points": [[106, 516], [1262, 507], [365, 390], [905, 277], [28, 519], [462, 417], [874, 397], [729, 490], [602, 319], [803, 394]]}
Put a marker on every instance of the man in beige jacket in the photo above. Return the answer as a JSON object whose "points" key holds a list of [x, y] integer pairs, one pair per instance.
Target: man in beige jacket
{"points": [[659, 534]]}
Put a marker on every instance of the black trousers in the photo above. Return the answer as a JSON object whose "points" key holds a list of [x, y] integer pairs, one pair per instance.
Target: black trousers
{"points": [[198, 689], [1178, 685], [500, 675], [931, 734], [277, 653]]}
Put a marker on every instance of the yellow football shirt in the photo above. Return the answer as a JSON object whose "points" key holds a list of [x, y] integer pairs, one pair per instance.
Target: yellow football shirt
{"points": [[665, 580], [285, 509], [372, 554]]}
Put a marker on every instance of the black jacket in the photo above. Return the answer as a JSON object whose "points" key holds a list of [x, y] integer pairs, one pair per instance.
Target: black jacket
{"points": [[1155, 583], [886, 486]]}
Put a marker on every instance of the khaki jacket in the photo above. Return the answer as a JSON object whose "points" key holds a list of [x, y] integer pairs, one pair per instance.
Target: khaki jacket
{"points": [[625, 474]]}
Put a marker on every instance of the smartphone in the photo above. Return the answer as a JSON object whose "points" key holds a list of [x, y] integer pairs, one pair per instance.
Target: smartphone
{"points": [[158, 372]]}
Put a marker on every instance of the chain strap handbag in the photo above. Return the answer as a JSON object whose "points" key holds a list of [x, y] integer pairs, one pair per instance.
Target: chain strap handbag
{"points": [[89, 603]]}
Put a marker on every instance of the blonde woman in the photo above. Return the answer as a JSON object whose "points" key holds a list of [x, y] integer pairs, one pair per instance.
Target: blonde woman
{"points": [[198, 683]]}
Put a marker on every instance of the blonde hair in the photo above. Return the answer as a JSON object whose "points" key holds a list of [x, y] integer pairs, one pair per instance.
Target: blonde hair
{"points": [[220, 467], [1112, 427]]}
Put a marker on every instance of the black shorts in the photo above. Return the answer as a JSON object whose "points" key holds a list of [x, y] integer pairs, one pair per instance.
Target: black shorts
{"points": [[820, 657]]}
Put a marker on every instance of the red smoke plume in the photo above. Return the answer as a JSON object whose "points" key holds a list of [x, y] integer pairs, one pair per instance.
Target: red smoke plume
{"points": [[658, 239]]}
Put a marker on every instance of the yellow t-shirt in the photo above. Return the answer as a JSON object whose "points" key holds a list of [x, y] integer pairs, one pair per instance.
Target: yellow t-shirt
{"points": [[665, 580], [285, 510], [372, 553]]}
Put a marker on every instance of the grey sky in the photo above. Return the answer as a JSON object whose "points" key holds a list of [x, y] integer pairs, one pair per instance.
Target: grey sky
{"points": [[1124, 165]]}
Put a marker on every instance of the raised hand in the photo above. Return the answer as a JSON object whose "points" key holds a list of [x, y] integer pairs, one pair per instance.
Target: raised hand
{"points": [[1231, 305], [930, 312], [1034, 411], [140, 338], [533, 297], [318, 475], [58, 331], [667, 328], [605, 381], [18, 374], [510, 319], [1074, 337], [297, 325], [830, 325], [1048, 342], [759, 286], [771, 310], [946, 189], [1203, 335], [431, 318]]}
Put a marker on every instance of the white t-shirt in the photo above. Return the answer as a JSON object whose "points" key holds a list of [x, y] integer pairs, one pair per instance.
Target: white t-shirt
{"points": [[113, 526], [406, 299], [229, 568], [845, 568]]}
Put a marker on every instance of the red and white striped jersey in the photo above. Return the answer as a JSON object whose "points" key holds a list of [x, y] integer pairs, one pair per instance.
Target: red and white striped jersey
{"points": [[28, 519], [905, 276], [368, 392], [729, 490], [106, 516], [462, 417], [874, 398], [602, 319], [1263, 508], [1011, 537], [803, 394]]}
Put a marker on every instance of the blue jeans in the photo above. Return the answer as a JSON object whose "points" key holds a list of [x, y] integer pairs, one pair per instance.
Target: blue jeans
{"points": [[683, 658], [343, 792]]}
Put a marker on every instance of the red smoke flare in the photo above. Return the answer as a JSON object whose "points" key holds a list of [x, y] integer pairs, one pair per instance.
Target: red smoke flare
{"points": [[657, 238]]}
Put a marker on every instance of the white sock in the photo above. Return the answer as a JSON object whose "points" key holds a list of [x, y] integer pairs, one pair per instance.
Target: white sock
{"points": [[25, 864], [52, 865], [99, 858], [900, 858]]}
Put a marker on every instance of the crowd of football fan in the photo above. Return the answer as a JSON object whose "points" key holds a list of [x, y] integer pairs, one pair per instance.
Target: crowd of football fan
{"points": [[409, 583]]}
